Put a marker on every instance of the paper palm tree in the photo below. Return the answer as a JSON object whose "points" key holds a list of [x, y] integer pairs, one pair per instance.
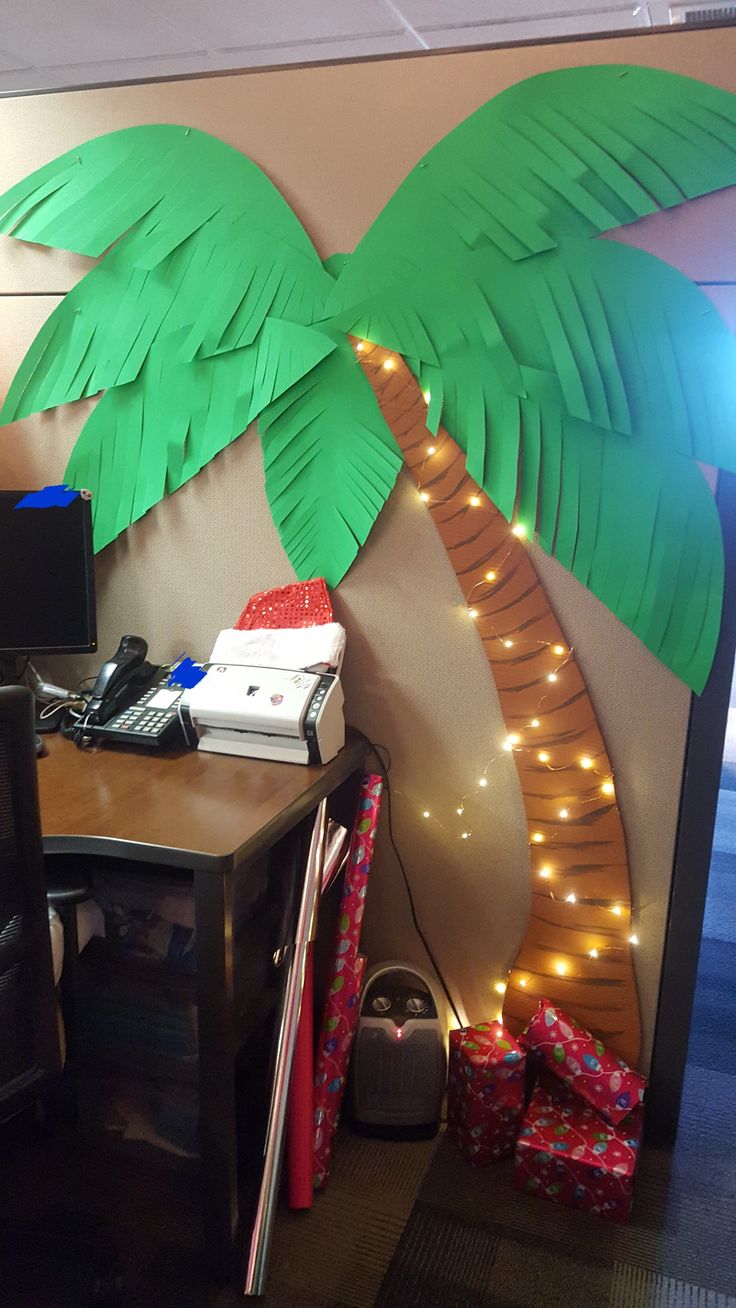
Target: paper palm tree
{"points": [[582, 381]]}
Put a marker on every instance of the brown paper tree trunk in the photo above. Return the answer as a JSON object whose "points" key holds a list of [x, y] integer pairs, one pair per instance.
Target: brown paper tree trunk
{"points": [[576, 950]]}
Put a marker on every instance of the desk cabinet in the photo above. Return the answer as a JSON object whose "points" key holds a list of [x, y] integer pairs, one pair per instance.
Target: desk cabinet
{"points": [[233, 832], [138, 1039]]}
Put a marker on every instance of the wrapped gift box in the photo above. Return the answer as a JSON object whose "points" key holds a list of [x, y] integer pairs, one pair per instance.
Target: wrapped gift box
{"points": [[485, 1097], [583, 1063], [566, 1153]]}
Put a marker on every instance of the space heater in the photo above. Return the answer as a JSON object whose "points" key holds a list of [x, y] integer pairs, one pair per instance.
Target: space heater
{"points": [[399, 1063]]}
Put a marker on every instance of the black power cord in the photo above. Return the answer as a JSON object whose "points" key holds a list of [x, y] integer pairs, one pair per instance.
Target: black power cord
{"points": [[385, 768]]}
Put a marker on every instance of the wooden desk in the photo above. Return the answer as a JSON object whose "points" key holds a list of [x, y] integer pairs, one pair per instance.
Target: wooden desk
{"points": [[213, 815]]}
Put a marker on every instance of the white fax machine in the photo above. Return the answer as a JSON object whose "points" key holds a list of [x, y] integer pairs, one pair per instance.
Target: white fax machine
{"points": [[270, 713]]}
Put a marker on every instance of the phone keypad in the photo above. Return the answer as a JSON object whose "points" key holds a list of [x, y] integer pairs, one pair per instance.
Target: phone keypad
{"points": [[142, 722]]}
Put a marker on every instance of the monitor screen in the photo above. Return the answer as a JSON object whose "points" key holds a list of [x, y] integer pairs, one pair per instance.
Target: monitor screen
{"points": [[47, 589]]}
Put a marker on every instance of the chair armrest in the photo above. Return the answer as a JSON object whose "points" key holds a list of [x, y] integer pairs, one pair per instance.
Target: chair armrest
{"points": [[70, 893]]}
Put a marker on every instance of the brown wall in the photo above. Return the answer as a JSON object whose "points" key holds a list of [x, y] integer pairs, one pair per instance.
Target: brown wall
{"points": [[337, 141]]}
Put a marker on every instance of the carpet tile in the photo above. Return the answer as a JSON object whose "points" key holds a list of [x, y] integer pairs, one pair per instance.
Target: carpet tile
{"points": [[719, 922], [443, 1260], [632, 1287], [344, 1244], [530, 1272]]}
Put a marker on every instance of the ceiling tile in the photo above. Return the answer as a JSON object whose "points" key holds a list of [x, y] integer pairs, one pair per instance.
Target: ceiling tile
{"points": [[231, 23], [346, 48], [437, 13], [16, 81], [104, 72], [47, 32], [9, 61], [605, 20]]}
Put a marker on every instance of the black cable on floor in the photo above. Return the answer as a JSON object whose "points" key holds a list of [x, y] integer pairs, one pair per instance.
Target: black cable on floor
{"points": [[385, 768]]}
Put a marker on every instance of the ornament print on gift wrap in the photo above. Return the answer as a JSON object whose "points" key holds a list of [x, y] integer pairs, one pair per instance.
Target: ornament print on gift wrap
{"points": [[485, 1091], [584, 1063], [595, 1171], [342, 1005]]}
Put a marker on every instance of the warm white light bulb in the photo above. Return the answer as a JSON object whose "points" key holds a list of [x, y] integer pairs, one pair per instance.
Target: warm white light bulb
{"points": [[535, 722], [593, 953], [427, 396], [559, 650], [500, 987], [482, 781], [586, 762], [545, 872], [465, 835], [552, 676], [431, 449], [608, 788], [523, 981], [571, 898], [564, 813], [425, 813], [474, 501], [515, 738], [633, 939], [519, 529], [490, 576], [360, 345], [561, 968], [460, 811], [537, 837], [472, 613], [389, 364], [543, 756], [617, 909], [508, 643]]}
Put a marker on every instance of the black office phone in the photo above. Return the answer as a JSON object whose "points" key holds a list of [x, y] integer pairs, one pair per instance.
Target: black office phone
{"points": [[131, 703], [153, 721]]}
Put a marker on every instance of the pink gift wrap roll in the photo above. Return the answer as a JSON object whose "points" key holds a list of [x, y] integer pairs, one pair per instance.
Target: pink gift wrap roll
{"points": [[340, 1015], [332, 1068]]}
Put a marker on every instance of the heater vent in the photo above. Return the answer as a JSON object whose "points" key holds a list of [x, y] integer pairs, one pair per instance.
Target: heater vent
{"points": [[716, 15]]}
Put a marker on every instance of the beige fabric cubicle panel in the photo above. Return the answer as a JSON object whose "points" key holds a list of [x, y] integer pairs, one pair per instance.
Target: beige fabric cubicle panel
{"points": [[337, 141]]}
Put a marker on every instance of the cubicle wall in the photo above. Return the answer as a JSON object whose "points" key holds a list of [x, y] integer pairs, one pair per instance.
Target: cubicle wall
{"points": [[337, 141]]}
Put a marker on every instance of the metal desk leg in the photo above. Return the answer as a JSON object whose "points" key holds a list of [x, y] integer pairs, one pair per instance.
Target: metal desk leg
{"points": [[213, 896]]}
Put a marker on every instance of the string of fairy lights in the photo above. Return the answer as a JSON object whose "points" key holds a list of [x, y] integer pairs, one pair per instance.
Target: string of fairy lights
{"points": [[520, 740]]}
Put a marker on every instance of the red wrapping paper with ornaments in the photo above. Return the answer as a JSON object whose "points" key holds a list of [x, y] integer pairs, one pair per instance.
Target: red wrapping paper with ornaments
{"points": [[342, 1005], [485, 1095], [583, 1063], [566, 1154]]}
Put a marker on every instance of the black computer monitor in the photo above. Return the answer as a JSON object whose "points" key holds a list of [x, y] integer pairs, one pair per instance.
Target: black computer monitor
{"points": [[47, 587]]}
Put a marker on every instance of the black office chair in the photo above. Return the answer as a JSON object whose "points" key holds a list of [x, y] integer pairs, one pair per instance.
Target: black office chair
{"points": [[30, 1053]]}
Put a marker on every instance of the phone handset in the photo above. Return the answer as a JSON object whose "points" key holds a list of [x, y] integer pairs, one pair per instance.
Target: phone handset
{"points": [[128, 664]]}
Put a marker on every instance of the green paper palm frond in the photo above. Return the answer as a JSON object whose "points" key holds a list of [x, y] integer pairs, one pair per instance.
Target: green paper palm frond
{"points": [[198, 316], [582, 378], [576, 152]]}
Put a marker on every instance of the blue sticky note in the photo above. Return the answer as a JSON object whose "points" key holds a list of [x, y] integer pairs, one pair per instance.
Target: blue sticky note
{"points": [[51, 497], [187, 674]]}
